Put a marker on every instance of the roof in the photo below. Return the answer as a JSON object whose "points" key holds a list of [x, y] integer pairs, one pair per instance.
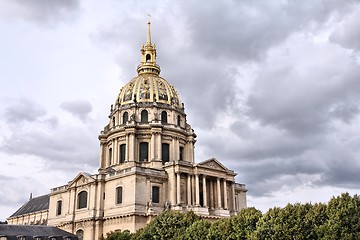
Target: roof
{"points": [[32, 230], [33, 205]]}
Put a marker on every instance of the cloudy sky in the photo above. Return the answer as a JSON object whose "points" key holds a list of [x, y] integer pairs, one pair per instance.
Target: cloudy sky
{"points": [[272, 89]]}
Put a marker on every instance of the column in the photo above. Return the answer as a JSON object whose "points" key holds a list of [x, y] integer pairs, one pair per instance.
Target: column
{"points": [[115, 152], [178, 192], [127, 148], [193, 189], [233, 195], [197, 194], [218, 192], [204, 191], [211, 195], [176, 149], [191, 151], [172, 150], [225, 195], [102, 164], [132, 147], [158, 146], [189, 190], [152, 147], [173, 189]]}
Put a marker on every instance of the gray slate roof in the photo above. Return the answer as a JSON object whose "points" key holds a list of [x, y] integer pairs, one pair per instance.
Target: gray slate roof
{"points": [[33, 205], [29, 231]]}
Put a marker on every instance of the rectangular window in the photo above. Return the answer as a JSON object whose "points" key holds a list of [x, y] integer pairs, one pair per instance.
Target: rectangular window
{"points": [[144, 151], [58, 207], [110, 156], [119, 195], [82, 200], [181, 153], [122, 153], [155, 194], [165, 152]]}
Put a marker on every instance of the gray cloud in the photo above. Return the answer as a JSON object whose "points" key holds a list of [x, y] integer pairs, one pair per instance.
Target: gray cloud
{"points": [[49, 139], [246, 30], [297, 95], [23, 110], [281, 133], [46, 13], [79, 108], [347, 33]]}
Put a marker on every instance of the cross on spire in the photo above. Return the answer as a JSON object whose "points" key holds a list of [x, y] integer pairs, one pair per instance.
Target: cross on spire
{"points": [[148, 38]]}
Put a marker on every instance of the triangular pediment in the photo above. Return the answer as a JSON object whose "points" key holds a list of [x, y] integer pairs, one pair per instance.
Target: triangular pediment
{"points": [[212, 163], [81, 179]]}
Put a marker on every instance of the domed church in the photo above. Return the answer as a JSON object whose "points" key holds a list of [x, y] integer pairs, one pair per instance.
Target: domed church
{"points": [[147, 165]]}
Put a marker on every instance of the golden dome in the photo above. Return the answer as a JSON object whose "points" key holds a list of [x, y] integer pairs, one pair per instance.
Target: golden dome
{"points": [[149, 88]]}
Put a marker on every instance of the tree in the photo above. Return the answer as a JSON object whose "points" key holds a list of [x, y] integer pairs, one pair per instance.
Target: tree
{"points": [[168, 225], [243, 225], [119, 235], [198, 230], [344, 214], [220, 229]]}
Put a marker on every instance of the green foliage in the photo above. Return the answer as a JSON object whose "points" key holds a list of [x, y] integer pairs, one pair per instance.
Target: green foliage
{"points": [[198, 230], [344, 217], [244, 223], [168, 225], [339, 219], [118, 235], [220, 229]]}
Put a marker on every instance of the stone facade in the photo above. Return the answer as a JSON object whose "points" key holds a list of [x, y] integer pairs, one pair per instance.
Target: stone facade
{"points": [[146, 165]]}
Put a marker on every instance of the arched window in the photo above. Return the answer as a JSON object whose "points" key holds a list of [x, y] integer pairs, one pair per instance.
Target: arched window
{"points": [[148, 57], [155, 194], [144, 152], [82, 200], [122, 153], [178, 120], [110, 156], [119, 197], [164, 117], [58, 207], [144, 116], [80, 234], [113, 121], [125, 117], [165, 152]]}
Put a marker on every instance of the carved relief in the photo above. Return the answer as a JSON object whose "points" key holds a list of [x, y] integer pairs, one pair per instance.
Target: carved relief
{"points": [[128, 94], [212, 165], [162, 91], [144, 89]]}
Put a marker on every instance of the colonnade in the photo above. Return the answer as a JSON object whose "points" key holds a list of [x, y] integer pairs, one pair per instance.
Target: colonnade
{"points": [[204, 191]]}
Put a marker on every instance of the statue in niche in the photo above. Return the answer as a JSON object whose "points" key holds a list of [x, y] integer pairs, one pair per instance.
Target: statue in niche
{"points": [[132, 117], [156, 115]]}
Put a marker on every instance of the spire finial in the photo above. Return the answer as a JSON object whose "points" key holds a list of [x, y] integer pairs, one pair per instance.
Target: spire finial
{"points": [[148, 38]]}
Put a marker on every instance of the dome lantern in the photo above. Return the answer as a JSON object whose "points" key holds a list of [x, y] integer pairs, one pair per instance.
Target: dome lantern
{"points": [[148, 57]]}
